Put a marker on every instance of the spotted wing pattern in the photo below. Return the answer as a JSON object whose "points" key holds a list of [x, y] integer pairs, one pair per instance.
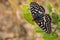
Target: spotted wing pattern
{"points": [[39, 16]]}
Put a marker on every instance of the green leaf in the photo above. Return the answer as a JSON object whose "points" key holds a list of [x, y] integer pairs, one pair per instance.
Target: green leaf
{"points": [[29, 1], [58, 9], [55, 18], [28, 17], [52, 36], [58, 20], [27, 14], [49, 6], [59, 23], [24, 7], [38, 30]]}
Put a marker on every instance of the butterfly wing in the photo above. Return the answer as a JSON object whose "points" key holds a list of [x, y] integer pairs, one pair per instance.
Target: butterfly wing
{"points": [[38, 15], [47, 23], [36, 7], [36, 10]]}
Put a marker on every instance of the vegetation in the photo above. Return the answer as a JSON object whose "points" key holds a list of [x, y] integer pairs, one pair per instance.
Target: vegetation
{"points": [[53, 14]]}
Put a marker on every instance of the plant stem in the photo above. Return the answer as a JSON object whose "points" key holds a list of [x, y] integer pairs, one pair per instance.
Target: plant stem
{"points": [[55, 29]]}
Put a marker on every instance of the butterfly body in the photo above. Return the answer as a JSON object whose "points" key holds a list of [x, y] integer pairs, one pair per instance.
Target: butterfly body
{"points": [[39, 16]]}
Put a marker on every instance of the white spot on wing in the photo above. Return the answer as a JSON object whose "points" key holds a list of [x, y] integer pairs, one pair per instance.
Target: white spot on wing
{"points": [[44, 19], [41, 25], [38, 23], [44, 29], [48, 18], [41, 22], [32, 14], [31, 9], [40, 12], [41, 8], [36, 9]]}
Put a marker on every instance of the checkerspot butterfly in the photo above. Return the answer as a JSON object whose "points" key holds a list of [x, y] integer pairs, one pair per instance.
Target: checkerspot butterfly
{"points": [[39, 16]]}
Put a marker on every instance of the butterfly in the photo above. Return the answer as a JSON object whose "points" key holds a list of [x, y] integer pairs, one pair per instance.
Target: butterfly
{"points": [[39, 16]]}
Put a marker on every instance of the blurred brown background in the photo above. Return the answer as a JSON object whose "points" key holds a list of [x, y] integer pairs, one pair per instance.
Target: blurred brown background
{"points": [[13, 26]]}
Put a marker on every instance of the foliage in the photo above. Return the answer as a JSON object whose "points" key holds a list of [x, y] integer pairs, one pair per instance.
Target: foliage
{"points": [[50, 36], [27, 14], [55, 19]]}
